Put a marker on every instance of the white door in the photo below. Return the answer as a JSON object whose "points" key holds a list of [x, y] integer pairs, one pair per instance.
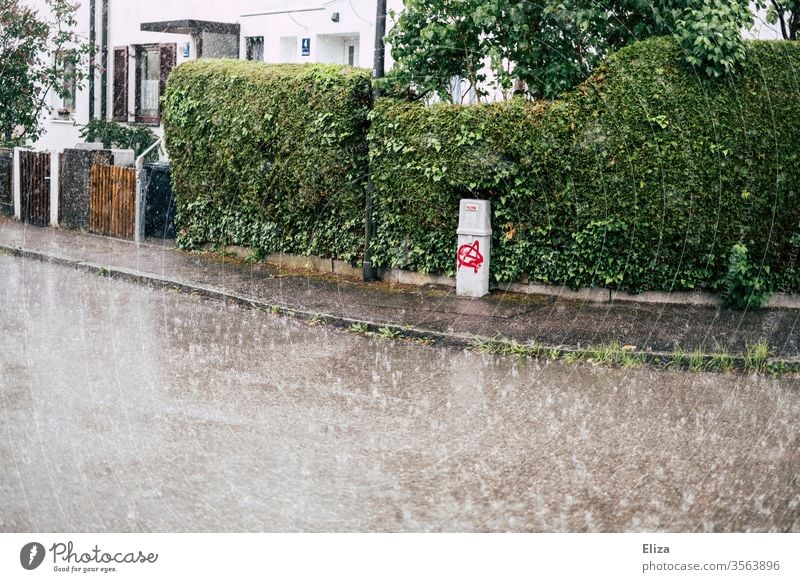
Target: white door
{"points": [[351, 53]]}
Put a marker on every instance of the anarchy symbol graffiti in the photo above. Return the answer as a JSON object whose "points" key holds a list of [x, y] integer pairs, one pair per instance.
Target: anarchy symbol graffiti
{"points": [[469, 255]]}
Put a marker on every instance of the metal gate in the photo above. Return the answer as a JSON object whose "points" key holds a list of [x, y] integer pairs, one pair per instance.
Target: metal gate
{"points": [[112, 201], [34, 171]]}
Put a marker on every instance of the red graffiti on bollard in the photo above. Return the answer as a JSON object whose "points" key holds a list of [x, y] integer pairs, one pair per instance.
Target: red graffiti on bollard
{"points": [[470, 256]]}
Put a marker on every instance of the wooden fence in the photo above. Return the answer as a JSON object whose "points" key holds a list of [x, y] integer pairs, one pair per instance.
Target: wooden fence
{"points": [[112, 201]]}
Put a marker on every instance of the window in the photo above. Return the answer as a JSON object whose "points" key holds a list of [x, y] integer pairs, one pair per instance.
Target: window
{"points": [[254, 48], [153, 65], [65, 95]]}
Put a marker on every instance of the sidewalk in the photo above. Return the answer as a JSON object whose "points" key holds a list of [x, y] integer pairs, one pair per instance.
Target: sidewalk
{"points": [[429, 310]]}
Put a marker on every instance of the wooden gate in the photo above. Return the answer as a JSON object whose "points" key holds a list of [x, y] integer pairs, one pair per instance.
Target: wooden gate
{"points": [[34, 173], [112, 201]]}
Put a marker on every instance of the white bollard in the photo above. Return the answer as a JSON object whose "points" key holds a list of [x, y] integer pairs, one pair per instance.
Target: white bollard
{"points": [[474, 248]]}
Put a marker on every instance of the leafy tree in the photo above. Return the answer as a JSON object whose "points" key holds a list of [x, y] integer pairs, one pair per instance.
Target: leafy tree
{"points": [[39, 53], [785, 12], [711, 34], [549, 46]]}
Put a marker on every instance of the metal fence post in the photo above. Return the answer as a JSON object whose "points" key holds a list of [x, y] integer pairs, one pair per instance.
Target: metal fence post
{"points": [[17, 184], [55, 183]]}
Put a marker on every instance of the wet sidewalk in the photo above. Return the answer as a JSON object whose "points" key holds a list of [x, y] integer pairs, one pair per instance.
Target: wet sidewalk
{"points": [[429, 310]]}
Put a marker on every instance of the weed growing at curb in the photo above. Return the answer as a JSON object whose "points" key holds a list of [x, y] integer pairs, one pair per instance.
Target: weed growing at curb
{"points": [[512, 348], [574, 357], [614, 354], [387, 332], [678, 358], [783, 368], [391, 333], [755, 357], [696, 360], [720, 361], [360, 328]]}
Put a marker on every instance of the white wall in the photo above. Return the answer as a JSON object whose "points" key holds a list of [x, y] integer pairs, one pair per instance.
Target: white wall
{"points": [[356, 21]]}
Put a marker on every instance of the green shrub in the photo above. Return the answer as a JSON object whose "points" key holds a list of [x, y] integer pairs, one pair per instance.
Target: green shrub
{"points": [[134, 136], [645, 177], [744, 283], [269, 156]]}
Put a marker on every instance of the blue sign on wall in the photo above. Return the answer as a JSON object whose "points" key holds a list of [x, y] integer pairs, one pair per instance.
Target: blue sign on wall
{"points": [[186, 50], [305, 46]]}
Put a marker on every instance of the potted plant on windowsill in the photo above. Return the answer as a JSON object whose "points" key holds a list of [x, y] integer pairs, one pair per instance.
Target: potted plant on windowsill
{"points": [[63, 113]]}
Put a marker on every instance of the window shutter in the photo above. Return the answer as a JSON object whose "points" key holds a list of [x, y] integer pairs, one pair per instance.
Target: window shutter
{"points": [[167, 57], [119, 110]]}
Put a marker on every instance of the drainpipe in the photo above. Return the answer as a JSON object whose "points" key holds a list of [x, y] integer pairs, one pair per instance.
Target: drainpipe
{"points": [[104, 63], [378, 71], [92, 40]]}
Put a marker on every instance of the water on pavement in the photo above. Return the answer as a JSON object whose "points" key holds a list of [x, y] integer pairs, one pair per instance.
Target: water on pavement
{"points": [[128, 409]]}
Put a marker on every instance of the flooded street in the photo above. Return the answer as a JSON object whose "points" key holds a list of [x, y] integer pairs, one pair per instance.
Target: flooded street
{"points": [[129, 409]]}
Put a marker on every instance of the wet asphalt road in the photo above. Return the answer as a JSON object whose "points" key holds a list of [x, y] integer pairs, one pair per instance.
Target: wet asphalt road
{"points": [[128, 409]]}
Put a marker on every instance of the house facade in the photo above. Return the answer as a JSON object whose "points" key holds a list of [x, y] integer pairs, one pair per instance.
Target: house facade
{"points": [[140, 42]]}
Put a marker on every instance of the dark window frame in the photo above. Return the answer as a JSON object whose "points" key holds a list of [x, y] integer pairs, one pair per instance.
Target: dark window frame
{"points": [[167, 59]]}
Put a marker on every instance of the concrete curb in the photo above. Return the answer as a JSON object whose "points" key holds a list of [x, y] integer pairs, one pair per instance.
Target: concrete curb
{"points": [[454, 340]]}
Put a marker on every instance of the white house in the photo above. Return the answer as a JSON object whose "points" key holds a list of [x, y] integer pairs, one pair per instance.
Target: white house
{"points": [[140, 42], [337, 31]]}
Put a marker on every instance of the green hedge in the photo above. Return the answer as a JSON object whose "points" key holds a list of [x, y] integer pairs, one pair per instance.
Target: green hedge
{"points": [[646, 177], [269, 156]]}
